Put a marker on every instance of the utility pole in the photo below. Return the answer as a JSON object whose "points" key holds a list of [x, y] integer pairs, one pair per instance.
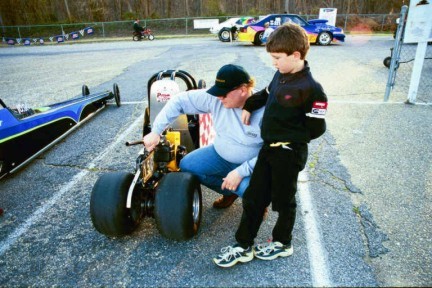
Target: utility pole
{"points": [[287, 6]]}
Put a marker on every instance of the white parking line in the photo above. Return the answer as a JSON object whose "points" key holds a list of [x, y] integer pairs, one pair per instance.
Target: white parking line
{"points": [[127, 103], [38, 214], [376, 103], [317, 253]]}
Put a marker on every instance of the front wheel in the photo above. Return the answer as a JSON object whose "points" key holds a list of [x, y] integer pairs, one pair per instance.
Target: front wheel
{"points": [[108, 210], [178, 206], [224, 34], [151, 37], [324, 38]]}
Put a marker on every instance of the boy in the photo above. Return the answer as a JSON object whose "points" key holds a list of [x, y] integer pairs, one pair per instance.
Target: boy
{"points": [[295, 108]]}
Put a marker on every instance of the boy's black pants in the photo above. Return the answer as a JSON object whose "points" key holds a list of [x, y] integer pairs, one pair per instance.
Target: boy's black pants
{"points": [[274, 180]]}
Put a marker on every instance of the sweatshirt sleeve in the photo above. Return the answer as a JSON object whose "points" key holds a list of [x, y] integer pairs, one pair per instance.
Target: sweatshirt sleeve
{"points": [[189, 102], [246, 169]]}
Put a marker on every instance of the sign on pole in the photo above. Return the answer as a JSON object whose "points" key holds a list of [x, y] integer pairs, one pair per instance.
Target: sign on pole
{"points": [[328, 14], [418, 30]]}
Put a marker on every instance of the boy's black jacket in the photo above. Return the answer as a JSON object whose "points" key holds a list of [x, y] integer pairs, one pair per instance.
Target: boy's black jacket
{"points": [[291, 108]]}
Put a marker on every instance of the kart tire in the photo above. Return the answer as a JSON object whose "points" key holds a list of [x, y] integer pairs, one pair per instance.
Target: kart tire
{"points": [[178, 206], [324, 38], [136, 38], [201, 84], [258, 38], [85, 90], [224, 35], [387, 62], [151, 37], [116, 92], [108, 211]]}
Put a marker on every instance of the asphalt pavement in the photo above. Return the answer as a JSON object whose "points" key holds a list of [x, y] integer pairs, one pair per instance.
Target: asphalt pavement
{"points": [[364, 216]]}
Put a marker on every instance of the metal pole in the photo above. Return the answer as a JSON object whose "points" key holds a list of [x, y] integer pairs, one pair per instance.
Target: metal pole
{"points": [[287, 6], [394, 63]]}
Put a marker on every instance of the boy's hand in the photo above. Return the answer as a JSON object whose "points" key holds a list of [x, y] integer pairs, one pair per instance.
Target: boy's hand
{"points": [[231, 181], [151, 140], [245, 117]]}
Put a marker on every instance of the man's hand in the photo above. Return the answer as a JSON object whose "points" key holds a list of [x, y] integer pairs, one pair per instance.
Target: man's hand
{"points": [[231, 181], [245, 117], [151, 140]]}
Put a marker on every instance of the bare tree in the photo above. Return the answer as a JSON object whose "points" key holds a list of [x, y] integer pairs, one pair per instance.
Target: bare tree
{"points": [[67, 10]]}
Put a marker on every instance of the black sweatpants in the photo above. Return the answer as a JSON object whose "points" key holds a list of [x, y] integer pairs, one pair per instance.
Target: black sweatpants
{"points": [[274, 180]]}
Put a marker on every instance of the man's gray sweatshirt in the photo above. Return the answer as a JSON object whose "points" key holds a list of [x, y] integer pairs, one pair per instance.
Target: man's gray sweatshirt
{"points": [[235, 142]]}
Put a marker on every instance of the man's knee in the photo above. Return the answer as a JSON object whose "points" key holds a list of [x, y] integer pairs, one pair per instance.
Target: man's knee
{"points": [[185, 165]]}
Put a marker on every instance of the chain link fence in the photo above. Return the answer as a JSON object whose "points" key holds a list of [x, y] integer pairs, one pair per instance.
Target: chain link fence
{"points": [[401, 64], [184, 26]]}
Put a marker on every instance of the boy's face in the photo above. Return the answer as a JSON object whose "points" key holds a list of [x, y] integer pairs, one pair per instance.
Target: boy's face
{"points": [[287, 63]]}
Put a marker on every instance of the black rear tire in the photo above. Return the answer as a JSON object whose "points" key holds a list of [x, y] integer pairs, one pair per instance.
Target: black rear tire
{"points": [[387, 62], [178, 206], [85, 90], [116, 92], [201, 84], [258, 38], [108, 210]]}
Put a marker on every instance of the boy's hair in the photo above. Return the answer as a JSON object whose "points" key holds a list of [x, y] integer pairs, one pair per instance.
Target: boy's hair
{"points": [[288, 38]]}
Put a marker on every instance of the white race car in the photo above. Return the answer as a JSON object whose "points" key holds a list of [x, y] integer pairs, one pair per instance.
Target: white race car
{"points": [[231, 25]]}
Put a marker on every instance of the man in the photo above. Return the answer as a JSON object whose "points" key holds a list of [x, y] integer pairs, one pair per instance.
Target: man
{"points": [[226, 165], [137, 27], [268, 30]]}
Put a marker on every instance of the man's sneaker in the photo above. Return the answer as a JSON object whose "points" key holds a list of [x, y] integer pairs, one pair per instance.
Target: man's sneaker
{"points": [[231, 255], [272, 250]]}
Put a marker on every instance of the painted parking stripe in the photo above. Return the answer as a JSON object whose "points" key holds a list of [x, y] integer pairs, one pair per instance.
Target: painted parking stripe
{"points": [[317, 254]]}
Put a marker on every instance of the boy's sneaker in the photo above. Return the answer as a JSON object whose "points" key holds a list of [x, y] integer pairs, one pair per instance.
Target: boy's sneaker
{"points": [[272, 250], [231, 255]]}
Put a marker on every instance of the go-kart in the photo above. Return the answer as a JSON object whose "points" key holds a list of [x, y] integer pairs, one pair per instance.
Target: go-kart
{"points": [[26, 132], [120, 200], [145, 34]]}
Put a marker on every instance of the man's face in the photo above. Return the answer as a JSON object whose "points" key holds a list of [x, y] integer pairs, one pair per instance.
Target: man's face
{"points": [[285, 63], [235, 98]]}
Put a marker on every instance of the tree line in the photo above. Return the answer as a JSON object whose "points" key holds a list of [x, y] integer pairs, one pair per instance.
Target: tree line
{"points": [[32, 12]]}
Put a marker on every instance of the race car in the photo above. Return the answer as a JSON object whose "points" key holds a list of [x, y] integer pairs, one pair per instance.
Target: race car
{"points": [[318, 30], [231, 25], [27, 132]]}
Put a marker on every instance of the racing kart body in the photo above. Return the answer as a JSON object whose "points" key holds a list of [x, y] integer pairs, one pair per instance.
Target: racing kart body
{"points": [[25, 133], [120, 200]]}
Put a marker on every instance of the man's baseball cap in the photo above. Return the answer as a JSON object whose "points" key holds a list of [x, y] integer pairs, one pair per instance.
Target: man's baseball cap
{"points": [[229, 77]]}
